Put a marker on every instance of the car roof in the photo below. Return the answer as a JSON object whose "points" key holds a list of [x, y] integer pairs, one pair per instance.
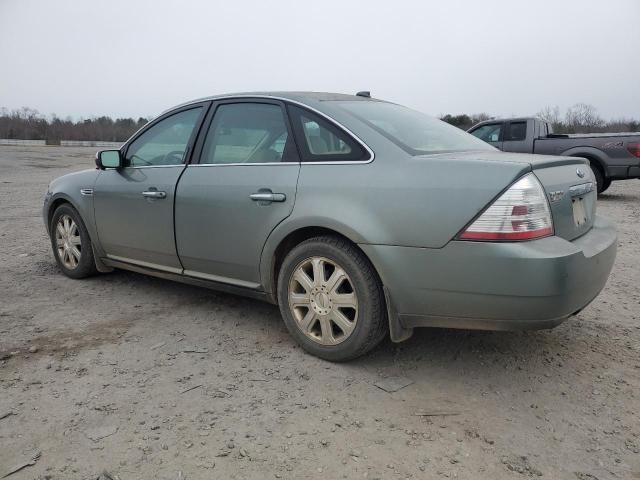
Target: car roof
{"points": [[506, 119], [306, 98]]}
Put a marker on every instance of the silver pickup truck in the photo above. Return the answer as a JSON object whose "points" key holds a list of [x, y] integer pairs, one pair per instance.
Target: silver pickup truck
{"points": [[613, 156]]}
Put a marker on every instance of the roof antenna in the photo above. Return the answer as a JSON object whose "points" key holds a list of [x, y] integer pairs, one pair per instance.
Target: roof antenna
{"points": [[364, 93]]}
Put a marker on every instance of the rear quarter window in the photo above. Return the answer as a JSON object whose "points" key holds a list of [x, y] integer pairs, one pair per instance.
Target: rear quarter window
{"points": [[413, 131], [320, 140]]}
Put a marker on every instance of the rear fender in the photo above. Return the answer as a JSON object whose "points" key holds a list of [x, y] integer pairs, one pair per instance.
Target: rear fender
{"points": [[593, 155]]}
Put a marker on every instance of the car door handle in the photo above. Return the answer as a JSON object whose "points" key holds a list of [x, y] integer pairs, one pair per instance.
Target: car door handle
{"points": [[154, 194], [268, 197]]}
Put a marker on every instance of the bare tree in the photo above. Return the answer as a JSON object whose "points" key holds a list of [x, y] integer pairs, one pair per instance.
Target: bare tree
{"points": [[583, 118], [551, 115], [27, 123]]}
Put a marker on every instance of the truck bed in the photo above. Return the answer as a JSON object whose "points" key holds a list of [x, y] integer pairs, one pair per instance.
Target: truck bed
{"points": [[592, 135]]}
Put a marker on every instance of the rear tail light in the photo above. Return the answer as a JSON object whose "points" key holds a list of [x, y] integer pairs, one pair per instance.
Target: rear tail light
{"points": [[634, 149], [520, 213]]}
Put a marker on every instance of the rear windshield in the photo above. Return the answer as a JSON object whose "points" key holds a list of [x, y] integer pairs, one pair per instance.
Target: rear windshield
{"points": [[413, 131]]}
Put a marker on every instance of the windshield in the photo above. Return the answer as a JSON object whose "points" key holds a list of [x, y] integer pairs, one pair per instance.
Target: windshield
{"points": [[413, 131]]}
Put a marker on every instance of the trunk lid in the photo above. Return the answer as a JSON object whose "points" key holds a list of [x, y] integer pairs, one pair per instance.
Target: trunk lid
{"points": [[572, 198], [571, 191]]}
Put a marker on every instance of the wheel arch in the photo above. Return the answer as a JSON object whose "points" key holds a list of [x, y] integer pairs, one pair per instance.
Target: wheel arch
{"points": [[276, 250], [595, 157], [55, 202], [62, 199], [283, 240]]}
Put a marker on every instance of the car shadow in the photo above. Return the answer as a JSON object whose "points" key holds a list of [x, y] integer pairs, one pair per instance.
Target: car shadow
{"points": [[450, 351]]}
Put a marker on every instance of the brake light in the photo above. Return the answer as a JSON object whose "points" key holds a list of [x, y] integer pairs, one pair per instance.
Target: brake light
{"points": [[634, 149], [520, 213]]}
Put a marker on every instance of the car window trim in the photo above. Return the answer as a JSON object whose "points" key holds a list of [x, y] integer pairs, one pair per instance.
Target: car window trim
{"points": [[285, 101], [204, 106], [208, 121], [310, 158]]}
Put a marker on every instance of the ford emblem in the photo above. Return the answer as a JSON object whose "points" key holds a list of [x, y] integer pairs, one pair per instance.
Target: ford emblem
{"points": [[580, 172]]}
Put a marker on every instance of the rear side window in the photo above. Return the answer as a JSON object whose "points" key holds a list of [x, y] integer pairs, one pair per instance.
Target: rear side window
{"points": [[517, 131], [320, 140], [489, 133], [246, 133]]}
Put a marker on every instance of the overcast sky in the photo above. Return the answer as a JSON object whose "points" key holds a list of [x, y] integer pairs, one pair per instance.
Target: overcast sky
{"points": [[137, 57]]}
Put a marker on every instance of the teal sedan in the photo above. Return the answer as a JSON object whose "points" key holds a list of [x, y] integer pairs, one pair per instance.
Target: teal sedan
{"points": [[360, 218]]}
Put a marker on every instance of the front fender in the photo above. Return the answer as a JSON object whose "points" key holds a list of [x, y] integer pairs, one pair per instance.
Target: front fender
{"points": [[76, 189]]}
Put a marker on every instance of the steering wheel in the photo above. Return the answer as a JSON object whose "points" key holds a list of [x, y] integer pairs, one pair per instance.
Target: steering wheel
{"points": [[138, 159], [168, 159]]}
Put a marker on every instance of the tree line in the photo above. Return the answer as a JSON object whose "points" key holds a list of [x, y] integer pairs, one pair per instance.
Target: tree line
{"points": [[579, 118], [28, 124]]}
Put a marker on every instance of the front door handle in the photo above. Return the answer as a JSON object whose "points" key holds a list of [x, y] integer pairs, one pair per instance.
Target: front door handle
{"points": [[154, 194], [268, 197]]}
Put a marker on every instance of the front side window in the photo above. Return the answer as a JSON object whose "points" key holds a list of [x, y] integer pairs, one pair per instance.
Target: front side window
{"points": [[320, 140], [488, 133], [246, 133], [165, 143], [415, 132]]}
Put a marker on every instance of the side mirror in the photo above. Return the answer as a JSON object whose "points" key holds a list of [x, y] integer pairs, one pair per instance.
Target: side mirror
{"points": [[108, 159]]}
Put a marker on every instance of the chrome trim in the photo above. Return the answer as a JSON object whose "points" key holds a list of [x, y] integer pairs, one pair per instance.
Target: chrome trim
{"points": [[268, 197], [556, 196], [244, 164], [339, 162], [157, 166], [220, 279], [154, 194], [86, 192], [295, 102], [154, 266], [581, 189], [263, 164]]}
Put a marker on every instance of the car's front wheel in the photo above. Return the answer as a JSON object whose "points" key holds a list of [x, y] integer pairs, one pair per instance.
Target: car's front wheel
{"points": [[71, 243], [331, 299]]}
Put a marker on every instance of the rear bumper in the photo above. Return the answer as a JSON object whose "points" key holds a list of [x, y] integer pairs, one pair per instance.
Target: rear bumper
{"points": [[496, 286], [624, 172]]}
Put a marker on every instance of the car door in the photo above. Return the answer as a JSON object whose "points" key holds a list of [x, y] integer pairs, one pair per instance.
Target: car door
{"points": [[242, 187], [492, 133], [134, 204], [515, 137]]}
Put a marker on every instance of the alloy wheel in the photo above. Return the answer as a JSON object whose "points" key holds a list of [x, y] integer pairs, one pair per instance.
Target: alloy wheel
{"points": [[68, 242], [323, 301]]}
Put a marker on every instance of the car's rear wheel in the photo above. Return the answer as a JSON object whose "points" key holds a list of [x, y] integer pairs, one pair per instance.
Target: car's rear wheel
{"points": [[331, 299], [71, 243]]}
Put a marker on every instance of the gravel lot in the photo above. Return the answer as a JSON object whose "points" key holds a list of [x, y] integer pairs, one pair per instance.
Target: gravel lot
{"points": [[144, 378]]}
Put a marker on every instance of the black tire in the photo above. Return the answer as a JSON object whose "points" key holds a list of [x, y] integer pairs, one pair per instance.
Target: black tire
{"points": [[600, 181], [86, 265], [606, 184], [371, 325]]}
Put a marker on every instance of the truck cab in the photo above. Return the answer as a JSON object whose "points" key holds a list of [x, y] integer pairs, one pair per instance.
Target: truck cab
{"points": [[512, 135], [612, 156]]}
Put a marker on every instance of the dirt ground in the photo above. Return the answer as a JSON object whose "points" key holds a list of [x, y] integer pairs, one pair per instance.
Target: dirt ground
{"points": [[144, 378]]}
